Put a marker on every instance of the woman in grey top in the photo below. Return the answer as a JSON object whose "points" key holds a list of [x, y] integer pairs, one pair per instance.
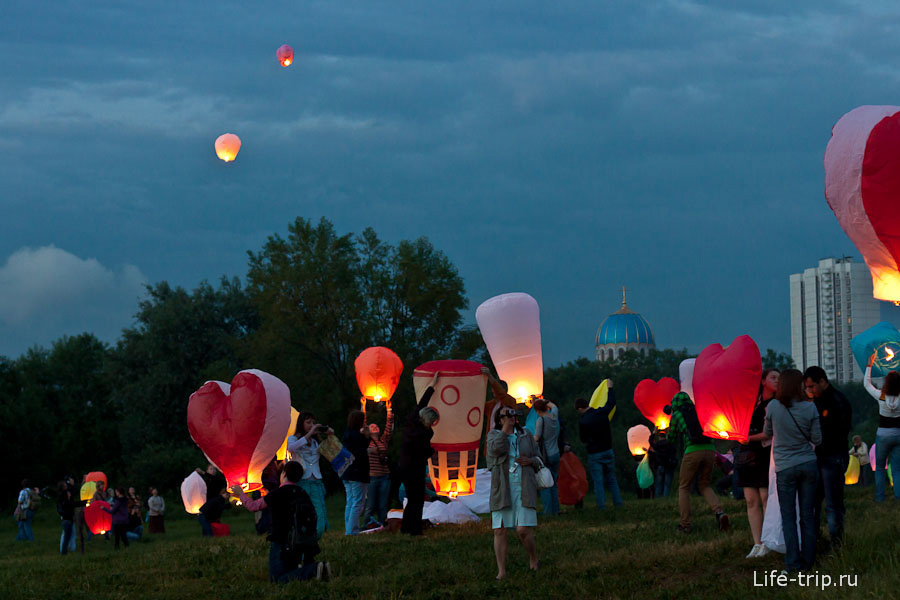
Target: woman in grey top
{"points": [[157, 507], [546, 434], [793, 422]]}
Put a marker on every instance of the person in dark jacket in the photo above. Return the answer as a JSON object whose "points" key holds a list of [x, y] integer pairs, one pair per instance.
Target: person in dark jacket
{"points": [[413, 461], [835, 416], [597, 437], [215, 483], [66, 509], [356, 477], [666, 462], [119, 512]]}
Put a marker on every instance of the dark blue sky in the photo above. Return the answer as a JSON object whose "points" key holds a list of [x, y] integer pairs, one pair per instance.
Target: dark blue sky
{"points": [[563, 149]]}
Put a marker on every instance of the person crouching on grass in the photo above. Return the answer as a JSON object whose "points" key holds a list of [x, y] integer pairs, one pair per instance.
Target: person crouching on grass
{"points": [[510, 454], [293, 518]]}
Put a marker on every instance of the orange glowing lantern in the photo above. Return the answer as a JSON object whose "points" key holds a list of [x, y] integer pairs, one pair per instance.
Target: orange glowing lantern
{"points": [[227, 146], [285, 55], [651, 398], [378, 372], [459, 401], [96, 476], [638, 440], [98, 520]]}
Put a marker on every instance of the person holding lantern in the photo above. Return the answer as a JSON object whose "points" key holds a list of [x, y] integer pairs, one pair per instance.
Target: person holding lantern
{"points": [[499, 396], [511, 455], [119, 512], [887, 437], [413, 461], [303, 447], [379, 492], [861, 451], [597, 437], [546, 434]]}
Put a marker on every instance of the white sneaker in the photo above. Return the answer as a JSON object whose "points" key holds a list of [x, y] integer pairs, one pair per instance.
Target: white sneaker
{"points": [[763, 550], [754, 552]]}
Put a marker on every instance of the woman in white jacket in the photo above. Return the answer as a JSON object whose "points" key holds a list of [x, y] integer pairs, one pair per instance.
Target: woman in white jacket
{"points": [[887, 438]]}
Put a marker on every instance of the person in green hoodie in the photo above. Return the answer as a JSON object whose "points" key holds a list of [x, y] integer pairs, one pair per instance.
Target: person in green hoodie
{"points": [[698, 460]]}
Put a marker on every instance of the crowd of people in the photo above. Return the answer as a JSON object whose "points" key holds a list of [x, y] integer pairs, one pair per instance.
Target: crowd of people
{"points": [[799, 430]]}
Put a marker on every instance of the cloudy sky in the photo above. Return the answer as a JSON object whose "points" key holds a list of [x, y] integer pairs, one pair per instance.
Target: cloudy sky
{"points": [[560, 148]]}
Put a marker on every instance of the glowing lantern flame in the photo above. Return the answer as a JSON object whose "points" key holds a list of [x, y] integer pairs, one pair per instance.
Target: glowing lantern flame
{"points": [[725, 382], [638, 440], [227, 146], [285, 55], [511, 327], [651, 398], [662, 423], [889, 354]]}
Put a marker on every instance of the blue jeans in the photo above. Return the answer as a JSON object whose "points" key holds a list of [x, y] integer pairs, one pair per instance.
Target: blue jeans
{"points": [[550, 496], [603, 471], [664, 476], [377, 496], [67, 540], [356, 499], [831, 489], [316, 491], [134, 535], [282, 572], [886, 446], [25, 533], [798, 481], [205, 527]]}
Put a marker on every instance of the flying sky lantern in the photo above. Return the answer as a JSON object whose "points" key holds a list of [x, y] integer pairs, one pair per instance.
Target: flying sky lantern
{"points": [[686, 376], [193, 493], [285, 55], [638, 439], [882, 339], [862, 186], [98, 520], [378, 372], [651, 397], [726, 382], [282, 451], [227, 146], [459, 400], [511, 327], [240, 427]]}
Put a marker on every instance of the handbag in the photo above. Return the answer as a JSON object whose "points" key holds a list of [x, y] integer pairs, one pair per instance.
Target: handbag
{"points": [[544, 476]]}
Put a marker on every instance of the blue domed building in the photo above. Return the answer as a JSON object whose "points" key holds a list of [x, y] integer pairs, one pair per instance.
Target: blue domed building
{"points": [[623, 330]]}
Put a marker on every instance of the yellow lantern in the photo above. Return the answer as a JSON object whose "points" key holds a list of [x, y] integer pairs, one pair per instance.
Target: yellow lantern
{"points": [[601, 396], [88, 489], [851, 476], [282, 452], [227, 146]]}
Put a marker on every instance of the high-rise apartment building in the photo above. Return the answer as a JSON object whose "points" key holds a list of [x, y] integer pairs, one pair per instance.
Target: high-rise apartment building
{"points": [[830, 304]]}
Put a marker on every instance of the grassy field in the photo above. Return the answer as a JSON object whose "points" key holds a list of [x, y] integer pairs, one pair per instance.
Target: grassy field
{"points": [[633, 552]]}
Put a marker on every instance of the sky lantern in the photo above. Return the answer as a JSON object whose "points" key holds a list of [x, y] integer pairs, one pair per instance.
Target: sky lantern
{"points": [[874, 463], [378, 372], [193, 493], [882, 339], [98, 520], [97, 476], [511, 327], [862, 186], [638, 439], [686, 376], [851, 475], [601, 396], [227, 146], [88, 489], [651, 397], [726, 383], [285, 55], [459, 400], [572, 482], [282, 451], [240, 427]]}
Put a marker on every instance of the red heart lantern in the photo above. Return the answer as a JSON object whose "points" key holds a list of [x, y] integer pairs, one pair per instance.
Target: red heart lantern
{"points": [[378, 372], [726, 383], [651, 397], [98, 520], [240, 427]]}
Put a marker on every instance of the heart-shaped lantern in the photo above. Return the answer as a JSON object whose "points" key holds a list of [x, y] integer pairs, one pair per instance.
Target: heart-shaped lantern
{"points": [[98, 520], [862, 186], [638, 439], [651, 397], [240, 427], [726, 384]]}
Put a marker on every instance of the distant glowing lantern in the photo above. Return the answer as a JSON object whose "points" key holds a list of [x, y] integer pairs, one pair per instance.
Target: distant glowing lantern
{"points": [[378, 372], [883, 340], [227, 146], [851, 475], [240, 427], [193, 493], [98, 520], [282, 451], [686, 376], [285, 55], [459, 400], [726, 383], [638, 440], [511, 327], [601, 396], [651, 398], [862, 187], [88, 489]]}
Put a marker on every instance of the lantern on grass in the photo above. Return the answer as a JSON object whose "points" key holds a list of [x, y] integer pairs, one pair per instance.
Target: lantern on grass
{"points": [[638, 440], [88, 489], [652, 397], [459, 401], [282, 451], [862, 186], [686, 376], [227, 146], [883, 340], [285, 55], [98, 520], [240, 427], [193, 493], [511, 327], [378, 371], [851, 475], [726, 383]]}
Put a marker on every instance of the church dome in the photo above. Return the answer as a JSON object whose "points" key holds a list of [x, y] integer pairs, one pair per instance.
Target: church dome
{"points": [[623, 330]]}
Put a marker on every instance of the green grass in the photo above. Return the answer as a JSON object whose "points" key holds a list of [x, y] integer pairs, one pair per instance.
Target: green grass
{"points": [[630, 553]]}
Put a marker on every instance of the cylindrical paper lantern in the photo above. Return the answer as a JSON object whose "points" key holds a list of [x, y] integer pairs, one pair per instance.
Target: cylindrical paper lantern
{"points": [[686, 376], [638, 440], [459, 400], [726, 383], [193, 493], [285, 55], [240, 427], [227, 146], [511, 327], [98, 520], [378, 372], [651, 398], [851, 475], [282, 451]]}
